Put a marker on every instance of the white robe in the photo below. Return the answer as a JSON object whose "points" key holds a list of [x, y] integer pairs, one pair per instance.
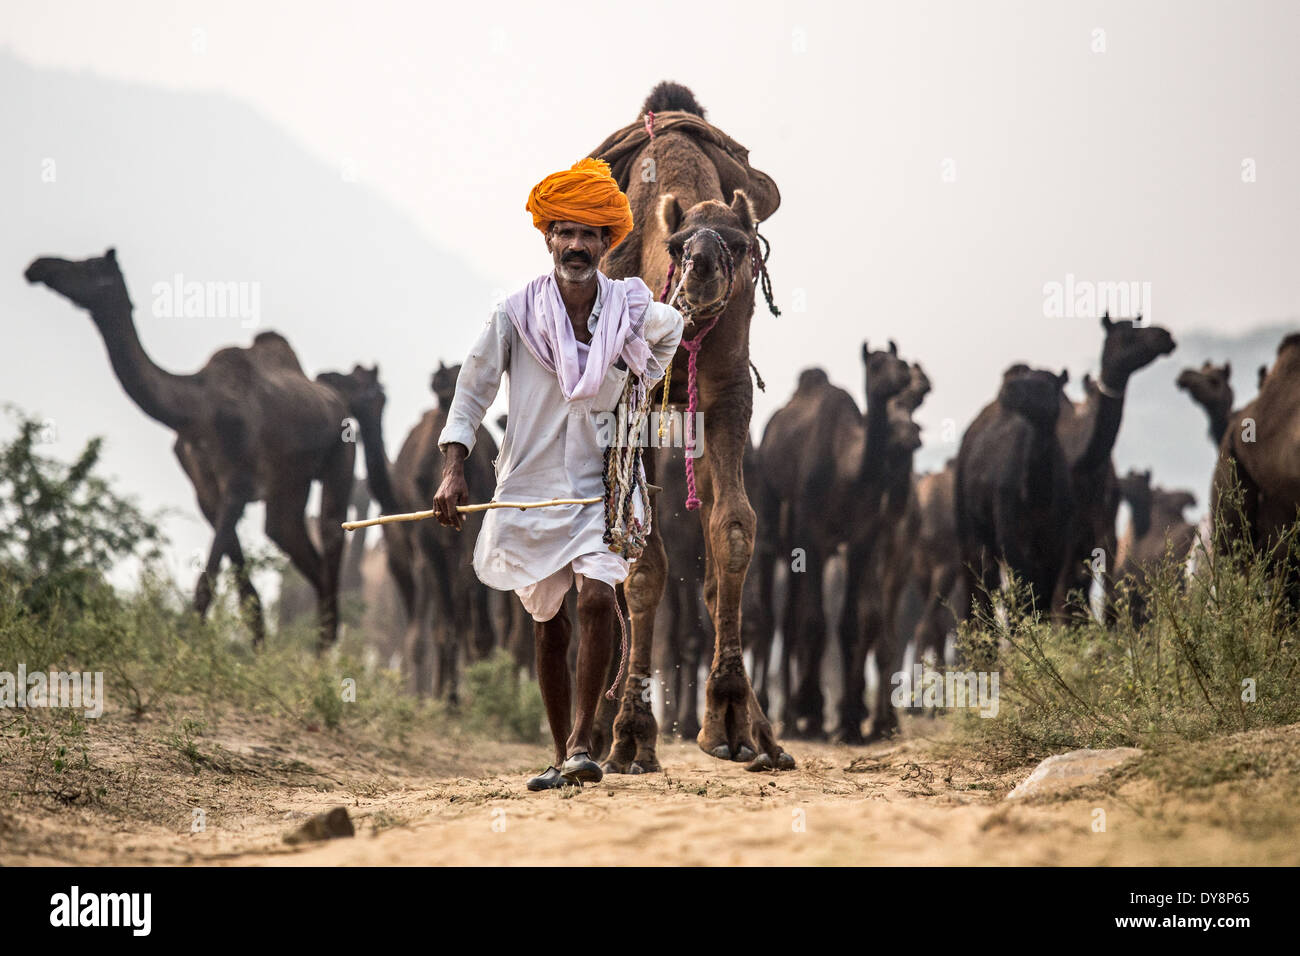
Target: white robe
{"points": [[550, 449]]}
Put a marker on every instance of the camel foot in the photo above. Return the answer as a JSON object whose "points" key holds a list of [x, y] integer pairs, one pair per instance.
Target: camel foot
{"points": [[618, 766], [762, 762], [809, 732], [722, 752], [688, 729], [850, 734], [743, 754], [644, 765], [881, 732]]}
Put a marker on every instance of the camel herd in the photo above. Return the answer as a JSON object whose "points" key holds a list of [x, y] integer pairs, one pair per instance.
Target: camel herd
{"points": [[828, 501]]}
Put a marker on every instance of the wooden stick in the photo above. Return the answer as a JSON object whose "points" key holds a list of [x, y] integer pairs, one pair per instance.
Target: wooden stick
{"points": [[466, 509]]}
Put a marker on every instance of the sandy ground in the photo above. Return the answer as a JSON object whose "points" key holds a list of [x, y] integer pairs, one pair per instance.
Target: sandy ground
{"points": [[457, 801]]}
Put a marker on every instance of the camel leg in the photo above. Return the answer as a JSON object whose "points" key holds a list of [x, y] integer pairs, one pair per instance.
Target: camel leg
{"points": [[418, 640], [734, 725], [223, 540], [757, 625], [250, 601], [807, 615], [635, 731], [336, 497], [858, 626], [889, 649], [398, 545], [445, 637], [669, 653], [692, 644], [208, 495], [602, 731], [287, 527]]}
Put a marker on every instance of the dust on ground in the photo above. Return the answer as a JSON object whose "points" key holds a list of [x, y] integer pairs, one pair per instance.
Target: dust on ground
{"points": [[140, 798]]}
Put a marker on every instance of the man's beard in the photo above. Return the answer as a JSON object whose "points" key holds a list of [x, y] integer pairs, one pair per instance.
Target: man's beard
{"points": [[576, 270]]}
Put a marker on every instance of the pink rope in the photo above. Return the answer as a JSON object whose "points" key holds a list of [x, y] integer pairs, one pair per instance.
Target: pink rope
{"points": [[692, 347], [672, 267], [622, 658], [650, 124]]}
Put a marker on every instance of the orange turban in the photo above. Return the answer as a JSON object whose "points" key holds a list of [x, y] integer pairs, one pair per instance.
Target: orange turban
{"points": [[584, 193]]}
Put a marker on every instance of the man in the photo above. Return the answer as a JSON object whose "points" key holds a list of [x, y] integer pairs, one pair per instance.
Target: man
{"points": [[568, 341]]}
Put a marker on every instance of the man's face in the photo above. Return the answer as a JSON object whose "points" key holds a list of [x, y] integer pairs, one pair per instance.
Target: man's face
{"points": [[576, 249]]}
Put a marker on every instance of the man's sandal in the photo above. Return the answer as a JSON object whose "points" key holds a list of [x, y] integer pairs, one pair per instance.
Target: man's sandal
{"points": [[551, 779], [582, 768]]}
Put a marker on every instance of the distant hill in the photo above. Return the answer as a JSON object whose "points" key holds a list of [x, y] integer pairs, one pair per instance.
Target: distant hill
{"points": [[203, 186]]}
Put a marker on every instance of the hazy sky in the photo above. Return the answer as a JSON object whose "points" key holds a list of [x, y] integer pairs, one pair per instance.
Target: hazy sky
{"points": [[1117, 165], [938, 162]]}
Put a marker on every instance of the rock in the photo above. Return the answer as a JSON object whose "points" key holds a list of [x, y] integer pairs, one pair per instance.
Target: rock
{"points": [[323, 826], [1068, 770]]}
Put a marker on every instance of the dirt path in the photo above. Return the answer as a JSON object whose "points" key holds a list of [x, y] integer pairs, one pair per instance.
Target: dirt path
{"points": [[898, 803]]}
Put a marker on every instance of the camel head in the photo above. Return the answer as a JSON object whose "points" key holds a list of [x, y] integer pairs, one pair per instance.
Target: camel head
{"points": [[904, 433], [887, 375], [1130, 346], [1135, 488], [1209, 386], [443, 384], [918, 386], [1172, 503], [709, 245], [93, 284], [361, 390], [1035, 394]]}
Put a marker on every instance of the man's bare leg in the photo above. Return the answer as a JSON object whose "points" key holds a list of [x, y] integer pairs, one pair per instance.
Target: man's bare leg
{"points": [[552, 638], [595, 645]]}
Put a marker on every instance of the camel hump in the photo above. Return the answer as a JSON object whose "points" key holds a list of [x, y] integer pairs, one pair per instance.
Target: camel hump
{"points": [[668, 95], [272, 348], [811, 378], [1290, 342]]}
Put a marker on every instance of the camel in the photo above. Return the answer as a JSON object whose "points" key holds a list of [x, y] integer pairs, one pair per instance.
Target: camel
{"points": [[250, 427], [824, 469], [1013, 489], [1157, 529], [936, 567], [1210, 386], [429, 565], [1260, 451], [885, 526], [703, 202], [1088, 435]]}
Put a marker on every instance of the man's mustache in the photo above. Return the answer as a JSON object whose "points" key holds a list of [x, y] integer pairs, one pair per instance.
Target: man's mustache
{"points": [[570, 257]]}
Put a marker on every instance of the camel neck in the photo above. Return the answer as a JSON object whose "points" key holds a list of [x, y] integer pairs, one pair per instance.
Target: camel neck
{"points": [[164, 396], [377, 470], [1105, 429], [1141, 517], [875, 446], [1218, 424]]}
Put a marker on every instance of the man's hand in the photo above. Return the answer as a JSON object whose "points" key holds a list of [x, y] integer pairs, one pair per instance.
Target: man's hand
{"points": [[453, 491]]}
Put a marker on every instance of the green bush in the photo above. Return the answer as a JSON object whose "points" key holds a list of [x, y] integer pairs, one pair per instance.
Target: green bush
{"points": [[1218, 654], [499, 702]]}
